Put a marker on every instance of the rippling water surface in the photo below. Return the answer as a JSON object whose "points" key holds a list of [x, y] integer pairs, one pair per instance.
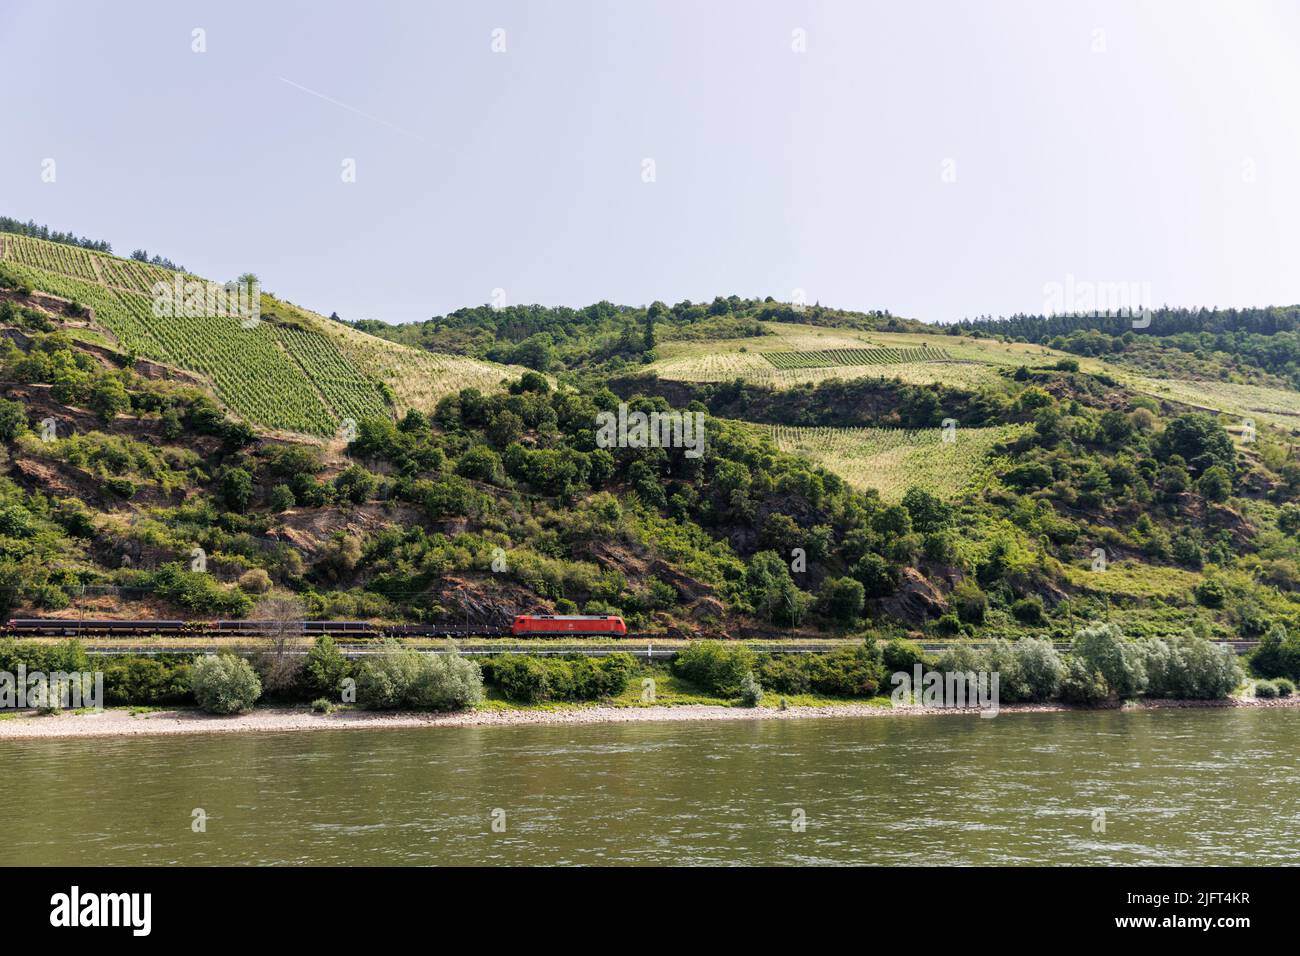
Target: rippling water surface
{"points": [[1194, 786]]}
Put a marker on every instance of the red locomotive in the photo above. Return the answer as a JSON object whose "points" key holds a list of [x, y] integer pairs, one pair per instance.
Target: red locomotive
{"points": [[592, 624]]}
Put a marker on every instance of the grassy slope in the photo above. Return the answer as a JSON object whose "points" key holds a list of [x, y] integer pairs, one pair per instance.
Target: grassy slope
{"points": [[970, 362], [892, 459], [1277, 406]]}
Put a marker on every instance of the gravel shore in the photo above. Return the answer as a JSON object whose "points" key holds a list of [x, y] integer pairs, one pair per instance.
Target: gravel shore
{"points": [[120, 723]]}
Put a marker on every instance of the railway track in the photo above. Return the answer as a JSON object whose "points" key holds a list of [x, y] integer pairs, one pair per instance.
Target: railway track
{"points": [[650, 650], [96, 628], [362, 638]]}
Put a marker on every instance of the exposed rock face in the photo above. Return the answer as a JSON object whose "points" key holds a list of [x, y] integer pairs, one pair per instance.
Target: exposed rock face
{"points": [[916, 600], [46, 477], [707, 608], [308, 529], [1229, 519], [484, 599], [41, 404]]}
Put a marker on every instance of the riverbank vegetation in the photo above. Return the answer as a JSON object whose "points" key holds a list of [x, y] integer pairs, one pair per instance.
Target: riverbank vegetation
{"points": [[1100, 666]]}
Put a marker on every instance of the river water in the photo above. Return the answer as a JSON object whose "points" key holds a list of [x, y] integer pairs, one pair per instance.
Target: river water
{"points": [[1217, 786]]}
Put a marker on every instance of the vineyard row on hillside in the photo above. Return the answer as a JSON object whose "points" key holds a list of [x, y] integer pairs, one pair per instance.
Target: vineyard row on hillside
{"points": [[275, 376], [850, 357]]}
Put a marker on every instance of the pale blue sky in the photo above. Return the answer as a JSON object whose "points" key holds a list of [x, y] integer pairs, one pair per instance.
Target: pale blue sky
{"points": [[1172, 158]]}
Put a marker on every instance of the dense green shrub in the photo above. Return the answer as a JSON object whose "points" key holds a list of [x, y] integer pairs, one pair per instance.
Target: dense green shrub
{"points": [[255, 581], [1029, 611], [1278, 655], [199, 592], [962, 658], [971, 603], [406, 678], [772, 592], [1285, 688], [224, 684], [1003, 659], [879, 578], [573, 677], [147, 681], [841, 599], [355, 484], [900, 654], [519, 677], [1101, 649], [1103, 664], [850, 672], [325, 667], [281, 499], [715, 666], [949, 625], [1210, 593], [49, 596], [13, 419], [1081, 684], [236, 489], [1040, 668], [1190, 668], [480, 463], [1200, 441], [66, 656], [751, 692], [1265, 689], [785, 673]]}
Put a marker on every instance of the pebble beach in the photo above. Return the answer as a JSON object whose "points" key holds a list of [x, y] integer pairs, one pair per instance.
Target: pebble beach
{"points": [[121, 723]]}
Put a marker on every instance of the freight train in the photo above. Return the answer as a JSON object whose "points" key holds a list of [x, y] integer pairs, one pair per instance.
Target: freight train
{"points": [[523, 625]]}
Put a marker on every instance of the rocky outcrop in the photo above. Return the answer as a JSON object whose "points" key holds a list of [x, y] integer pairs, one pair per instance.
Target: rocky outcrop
{"points": [[308, 529], [916, 600]]}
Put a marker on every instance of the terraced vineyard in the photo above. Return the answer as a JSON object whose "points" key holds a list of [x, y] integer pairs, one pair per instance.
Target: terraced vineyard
{"points": [[51, 257], [77, 263], [279, 377], [135, 276], [416, 378], [891, 460], [788, 355], [830, 358], [296, 371]]}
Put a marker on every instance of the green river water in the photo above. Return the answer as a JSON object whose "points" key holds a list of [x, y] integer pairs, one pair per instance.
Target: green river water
{"points": [[1176, 787]]}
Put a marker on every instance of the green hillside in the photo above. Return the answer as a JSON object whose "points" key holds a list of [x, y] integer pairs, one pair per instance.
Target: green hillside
{"points": [[861, 473]]}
